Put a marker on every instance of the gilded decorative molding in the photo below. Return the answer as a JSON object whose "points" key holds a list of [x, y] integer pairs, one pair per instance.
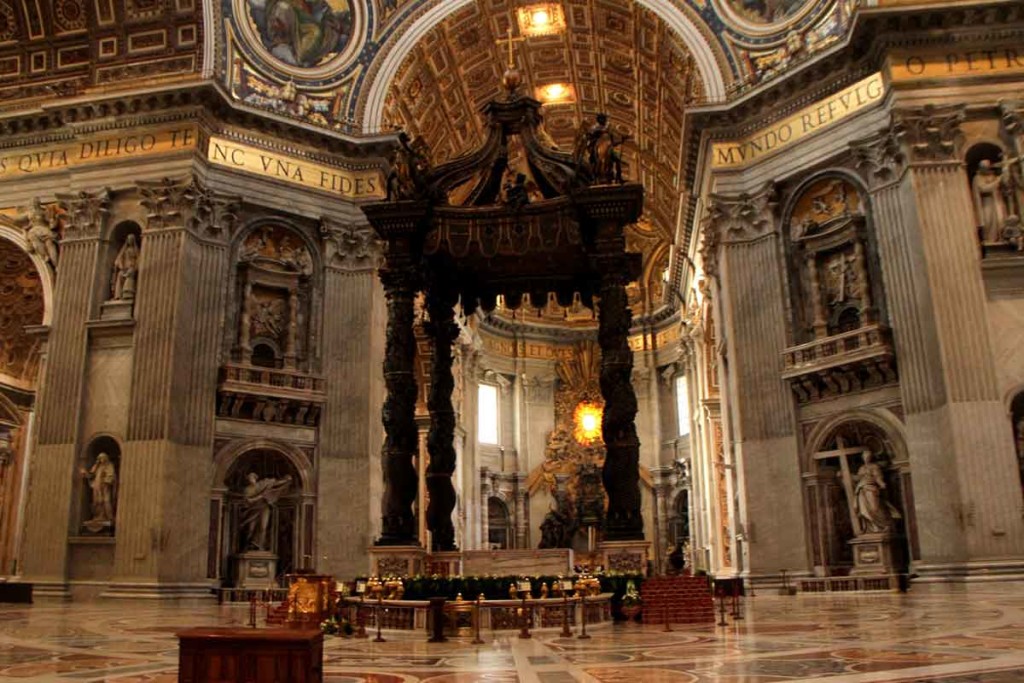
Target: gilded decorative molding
{"points": [[930, 133], [350, 248], [880, 159], [86, 213]]}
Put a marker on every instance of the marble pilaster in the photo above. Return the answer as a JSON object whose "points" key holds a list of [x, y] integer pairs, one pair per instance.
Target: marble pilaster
{"points": [[166, 468], [353, 343], [964, 468], [762, 431], [48, 516]]}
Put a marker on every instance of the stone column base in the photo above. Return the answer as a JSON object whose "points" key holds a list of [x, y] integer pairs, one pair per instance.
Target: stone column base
{"points": [[51, 590], [625, 556], [256, 570], [159, 591], [872, 555], [397, 560], [977, 571]]}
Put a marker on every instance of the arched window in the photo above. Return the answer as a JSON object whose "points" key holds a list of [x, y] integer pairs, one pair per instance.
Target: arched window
{"points": [[499, 524]]}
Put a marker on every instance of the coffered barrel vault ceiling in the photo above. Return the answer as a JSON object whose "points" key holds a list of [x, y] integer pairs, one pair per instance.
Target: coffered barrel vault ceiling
{"points": [[614, 55], [52, 48]]}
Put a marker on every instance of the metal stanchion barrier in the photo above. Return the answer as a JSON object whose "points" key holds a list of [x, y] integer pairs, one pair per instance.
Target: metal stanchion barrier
{"points": [[721, 608], [477, 640], [361, 618], [566, 632], [524, 624], [380, 618], [666, 619], [583, 616]]}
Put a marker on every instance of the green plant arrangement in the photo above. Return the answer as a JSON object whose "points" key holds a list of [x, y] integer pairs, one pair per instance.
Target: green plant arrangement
{"points": [[336, 627], [632, 603]]}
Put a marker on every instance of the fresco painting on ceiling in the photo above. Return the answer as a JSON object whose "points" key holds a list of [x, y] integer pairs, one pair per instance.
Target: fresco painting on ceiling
{"points": [[766, 11], [302, 33]]}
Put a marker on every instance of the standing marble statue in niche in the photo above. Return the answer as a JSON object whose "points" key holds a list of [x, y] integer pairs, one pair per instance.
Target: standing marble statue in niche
{"points": [[988, 202], [102, 480], [876, 514], [126, 269], [261, 497]]}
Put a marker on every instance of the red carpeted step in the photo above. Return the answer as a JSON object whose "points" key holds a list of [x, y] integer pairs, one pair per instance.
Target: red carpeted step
{"points": [[684, 599]]}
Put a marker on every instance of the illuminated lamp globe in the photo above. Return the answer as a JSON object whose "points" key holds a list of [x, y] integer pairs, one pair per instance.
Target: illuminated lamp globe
{"points": [[512, 79], [541, 18]]}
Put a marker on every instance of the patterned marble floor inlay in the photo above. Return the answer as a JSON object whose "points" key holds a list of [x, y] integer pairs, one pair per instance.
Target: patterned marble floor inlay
{"points": [[932, 635]]}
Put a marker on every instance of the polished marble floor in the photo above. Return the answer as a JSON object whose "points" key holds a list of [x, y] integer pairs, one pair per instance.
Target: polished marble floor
{"points": [[948, 635]]}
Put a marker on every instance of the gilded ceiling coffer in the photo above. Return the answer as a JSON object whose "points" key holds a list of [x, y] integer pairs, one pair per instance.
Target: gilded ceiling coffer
{"points": [[515, 217]]}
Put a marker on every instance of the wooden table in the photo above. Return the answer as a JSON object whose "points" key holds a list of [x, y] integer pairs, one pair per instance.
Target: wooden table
{"points": [[249, 655]]}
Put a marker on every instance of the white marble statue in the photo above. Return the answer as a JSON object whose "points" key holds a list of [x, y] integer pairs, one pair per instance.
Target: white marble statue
{"points": [[126, 269], [875, 513], [42, 234], [988, 202], [261, 495], [102, 480]]}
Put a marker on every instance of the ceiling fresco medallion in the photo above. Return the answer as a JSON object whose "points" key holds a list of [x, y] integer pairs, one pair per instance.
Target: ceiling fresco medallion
{"points": [[757, 16], [302, 39]]}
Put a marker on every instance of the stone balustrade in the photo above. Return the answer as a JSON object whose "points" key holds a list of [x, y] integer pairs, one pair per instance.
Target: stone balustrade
{"points": [[270, 395], [842, 363]]}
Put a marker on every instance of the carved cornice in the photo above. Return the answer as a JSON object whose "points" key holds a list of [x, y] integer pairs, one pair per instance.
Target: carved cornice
{"points": [[86, 213], [930, 133], [352, 248], [880, 159]]}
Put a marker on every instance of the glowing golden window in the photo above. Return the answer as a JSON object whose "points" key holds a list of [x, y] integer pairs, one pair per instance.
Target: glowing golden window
{"points": [[556, 93], [541, 20], [587, 423]]}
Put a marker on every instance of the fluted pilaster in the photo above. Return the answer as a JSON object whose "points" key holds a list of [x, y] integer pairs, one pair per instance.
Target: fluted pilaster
{"points": [[744, 233]]}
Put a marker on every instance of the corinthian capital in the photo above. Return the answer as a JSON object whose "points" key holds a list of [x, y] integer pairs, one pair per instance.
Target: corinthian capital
{"points": [[213, 214], [165, 202], [1013, 121], [930, 133], [350, 247], [86, 213], [743, 217], [880, 159]]}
